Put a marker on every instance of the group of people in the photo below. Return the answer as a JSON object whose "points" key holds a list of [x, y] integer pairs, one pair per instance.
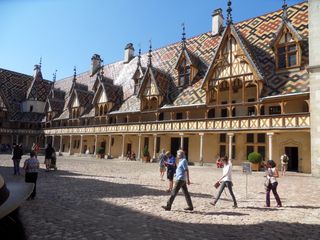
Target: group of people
{"points": [[167, 163], [182, 179]]}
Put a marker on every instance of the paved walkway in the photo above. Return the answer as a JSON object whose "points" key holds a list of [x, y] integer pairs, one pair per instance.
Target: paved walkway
{"points": [[90, 198]]}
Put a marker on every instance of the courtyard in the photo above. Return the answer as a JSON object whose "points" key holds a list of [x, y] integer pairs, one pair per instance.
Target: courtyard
{"points": [[89, 198]]}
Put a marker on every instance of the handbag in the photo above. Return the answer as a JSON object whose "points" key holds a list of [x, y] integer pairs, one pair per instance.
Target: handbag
{"points": [[217, 184], [266, 183]]}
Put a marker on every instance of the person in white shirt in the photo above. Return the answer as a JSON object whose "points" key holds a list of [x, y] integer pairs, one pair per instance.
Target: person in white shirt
{"points": [[272, 175], [226, 181]]}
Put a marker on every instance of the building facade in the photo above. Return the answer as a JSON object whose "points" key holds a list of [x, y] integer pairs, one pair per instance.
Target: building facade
{"points": [[239, 88]]}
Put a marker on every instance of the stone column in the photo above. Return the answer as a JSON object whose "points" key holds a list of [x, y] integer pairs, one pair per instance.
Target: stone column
{"points": [[270, 144], [60, 146], [81, 140], [314, 79], [70, 146], [154, 146], [181, 140], [123, 143], [139, 148], [109, 150], [230, 135], [95, 144], [201, 148]]}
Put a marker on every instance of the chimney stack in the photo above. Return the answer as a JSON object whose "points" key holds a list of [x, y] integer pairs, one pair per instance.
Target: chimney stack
{"points": [[95, 63], [128, 53], [217, 21]]}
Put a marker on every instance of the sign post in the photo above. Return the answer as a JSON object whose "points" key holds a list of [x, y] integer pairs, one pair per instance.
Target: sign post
{"points": [[246, 169]]}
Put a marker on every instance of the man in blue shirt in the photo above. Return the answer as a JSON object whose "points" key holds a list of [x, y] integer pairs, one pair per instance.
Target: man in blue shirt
{"points": [[182, 179]]}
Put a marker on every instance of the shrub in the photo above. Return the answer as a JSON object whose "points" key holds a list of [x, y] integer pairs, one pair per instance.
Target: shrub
{"points": [[100, 150], [255, 157]]}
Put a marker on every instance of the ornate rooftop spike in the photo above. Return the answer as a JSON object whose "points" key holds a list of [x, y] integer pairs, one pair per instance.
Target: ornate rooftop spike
{"points": [[139, 57], [54, 76], [183, 36], [40, 62], [229, 10], [284, 10], [74, 74], [102, 67], [150, 54]]}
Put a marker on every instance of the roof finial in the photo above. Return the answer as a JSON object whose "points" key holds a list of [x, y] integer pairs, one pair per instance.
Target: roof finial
{"points": [[150, 55], [229, 10], [102, 67], [74, 74], [284, 10], [139, 56], [54, 76], [183, 36], [40, 62]]}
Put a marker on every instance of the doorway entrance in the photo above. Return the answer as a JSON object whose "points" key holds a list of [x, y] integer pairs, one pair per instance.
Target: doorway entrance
{"points": [[129, 149], [292, 153], [175, 146]]}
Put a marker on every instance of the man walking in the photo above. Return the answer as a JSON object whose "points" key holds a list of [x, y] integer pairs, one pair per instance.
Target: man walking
{"points": [[182, 179], [17, 154]]}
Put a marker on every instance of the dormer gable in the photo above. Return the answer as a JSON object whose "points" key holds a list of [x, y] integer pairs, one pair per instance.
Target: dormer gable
{"points": [[231, 60], [287, 47]]}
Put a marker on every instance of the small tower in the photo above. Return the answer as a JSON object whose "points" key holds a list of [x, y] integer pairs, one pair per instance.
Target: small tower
{"points": [[95, 63], [128, 53]]}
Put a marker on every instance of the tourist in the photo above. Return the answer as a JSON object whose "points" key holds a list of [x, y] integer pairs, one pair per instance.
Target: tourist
{"points": [[50, 159], [16, 157], [284, 163], [272, 175], [162, 160], [171, 169], [182, 179], [226, 181], [31, 167]]}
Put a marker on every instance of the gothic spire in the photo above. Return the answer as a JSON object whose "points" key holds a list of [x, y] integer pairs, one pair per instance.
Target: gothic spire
{"points": [[74, 74], [40, 63], [229, 10], [183, 42], [139, 57], [102, 68], [284, 10], [150, 54], [54, 77]]}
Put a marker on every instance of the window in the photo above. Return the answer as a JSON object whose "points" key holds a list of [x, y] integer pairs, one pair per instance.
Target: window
{"points": [[262, 151], [222, 150], [287, 52], [223, 137], [179, 116], [224, 112], [31, 108], [250, 149], [137, 84], [261, 138], [211, 113], [274, 110], [161, 116], [250, 138], [233, 152], [184, 73]]}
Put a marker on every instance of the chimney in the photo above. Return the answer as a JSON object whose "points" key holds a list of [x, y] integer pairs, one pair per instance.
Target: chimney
{"points": [[217, 21], [95, 63], [128, 53]]}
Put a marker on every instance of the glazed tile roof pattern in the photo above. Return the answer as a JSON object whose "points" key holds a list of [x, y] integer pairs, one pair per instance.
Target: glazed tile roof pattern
{"points": [[39, 88], [13, 88], [132, 104], [255, 34]]}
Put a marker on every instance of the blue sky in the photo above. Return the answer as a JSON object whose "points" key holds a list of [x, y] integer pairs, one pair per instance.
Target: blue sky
{"points": [[66, 33]]}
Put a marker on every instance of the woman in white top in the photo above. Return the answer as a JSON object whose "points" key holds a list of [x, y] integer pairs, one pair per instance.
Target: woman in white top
{"points": [[272, 174], [226, 181]]}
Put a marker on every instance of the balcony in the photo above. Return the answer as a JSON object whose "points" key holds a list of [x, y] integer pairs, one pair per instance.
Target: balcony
{"points": [[270, 122]]}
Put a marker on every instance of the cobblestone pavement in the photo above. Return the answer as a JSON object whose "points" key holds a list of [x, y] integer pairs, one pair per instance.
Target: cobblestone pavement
{"points": [[89, 198]]}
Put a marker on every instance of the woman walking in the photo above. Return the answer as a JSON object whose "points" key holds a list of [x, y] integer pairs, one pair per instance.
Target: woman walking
{"points": [[226, 181], [272, 184]]}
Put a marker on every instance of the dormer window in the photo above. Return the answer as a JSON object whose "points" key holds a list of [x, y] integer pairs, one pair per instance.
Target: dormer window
{"points": [[184, 73], [137, 84], [287, 52], [31, 109], [75, 113]]}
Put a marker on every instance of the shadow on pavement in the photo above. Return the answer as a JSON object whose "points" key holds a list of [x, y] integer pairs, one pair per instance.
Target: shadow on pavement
{"points": [[73, 206]]}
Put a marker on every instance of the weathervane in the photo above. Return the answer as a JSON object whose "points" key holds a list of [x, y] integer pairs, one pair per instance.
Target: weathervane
{"points": [[284, 10]]}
